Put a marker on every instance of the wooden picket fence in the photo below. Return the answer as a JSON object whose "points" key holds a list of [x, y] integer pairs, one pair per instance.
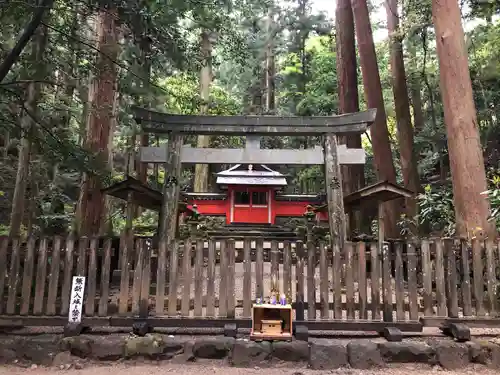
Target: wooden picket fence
{"points": [[401, 282]]}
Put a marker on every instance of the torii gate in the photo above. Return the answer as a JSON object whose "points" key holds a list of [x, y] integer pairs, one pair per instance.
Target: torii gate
{"points": [[253, 126]]}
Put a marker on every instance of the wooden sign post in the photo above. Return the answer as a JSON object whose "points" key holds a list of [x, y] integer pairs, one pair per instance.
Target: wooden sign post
{"points": [[76, 299]]}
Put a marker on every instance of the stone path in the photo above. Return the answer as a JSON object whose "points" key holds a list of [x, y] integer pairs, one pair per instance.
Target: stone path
{"points": [[210, 369], [325, 355]]}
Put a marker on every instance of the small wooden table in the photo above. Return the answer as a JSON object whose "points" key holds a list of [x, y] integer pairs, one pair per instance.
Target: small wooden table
{"points": [[264, 322]]}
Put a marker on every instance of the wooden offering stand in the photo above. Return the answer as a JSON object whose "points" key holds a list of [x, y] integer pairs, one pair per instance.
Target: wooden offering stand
{"points": [[271, 322]]}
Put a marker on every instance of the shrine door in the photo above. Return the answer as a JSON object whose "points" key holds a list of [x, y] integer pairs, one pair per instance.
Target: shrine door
{"points": [[250, 205]]}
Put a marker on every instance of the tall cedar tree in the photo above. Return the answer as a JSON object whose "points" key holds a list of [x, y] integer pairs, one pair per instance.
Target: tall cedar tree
{"points": [[146, 57], [38, 70], [464, 145], [402, 106], [270, 65], [201, 170], [383, 161], [102, 97], [352, 175]]}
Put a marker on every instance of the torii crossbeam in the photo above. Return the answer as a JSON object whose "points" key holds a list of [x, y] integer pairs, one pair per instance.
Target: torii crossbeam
{"points": [[157, 122]]}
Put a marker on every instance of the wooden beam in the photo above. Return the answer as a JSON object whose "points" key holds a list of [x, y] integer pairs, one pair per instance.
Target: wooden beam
{"points": [[157, 122], [313, 156], [235, 130]]}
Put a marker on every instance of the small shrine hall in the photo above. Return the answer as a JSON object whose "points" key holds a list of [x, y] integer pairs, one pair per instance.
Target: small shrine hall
{"points": [[252, 195]]}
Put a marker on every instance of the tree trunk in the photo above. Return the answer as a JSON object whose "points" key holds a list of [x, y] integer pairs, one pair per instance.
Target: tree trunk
{"points": [[382, 154], [6, 143], [33, 204], [57, 226], [464, 145], [270, 66], [201, 170], [28, 130], [353, 177], [91, 203], [145, 45], [409, 169], [416, 99], [130, 213]]}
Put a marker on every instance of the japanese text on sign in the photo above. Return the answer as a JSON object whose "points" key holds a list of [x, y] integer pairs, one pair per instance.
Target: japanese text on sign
{"points": [[76, 299]]}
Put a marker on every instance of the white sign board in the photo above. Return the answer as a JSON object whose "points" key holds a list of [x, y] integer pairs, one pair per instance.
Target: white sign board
{"points": [[76, 299]]}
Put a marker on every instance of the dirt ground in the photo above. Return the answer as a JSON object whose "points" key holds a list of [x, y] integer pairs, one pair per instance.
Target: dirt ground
{"points": [[212, 368]]}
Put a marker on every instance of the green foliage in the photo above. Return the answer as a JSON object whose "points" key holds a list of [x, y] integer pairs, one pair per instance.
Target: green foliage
{"points": [[436, 213], [183, 97], [493, 194], [165, 75]]}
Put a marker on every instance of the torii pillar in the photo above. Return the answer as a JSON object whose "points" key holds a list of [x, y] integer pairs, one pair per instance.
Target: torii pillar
{"points": [[171, 190]]}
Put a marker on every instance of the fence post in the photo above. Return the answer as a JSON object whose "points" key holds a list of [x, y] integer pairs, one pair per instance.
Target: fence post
{"points": [[386, 282], [451, 278]]}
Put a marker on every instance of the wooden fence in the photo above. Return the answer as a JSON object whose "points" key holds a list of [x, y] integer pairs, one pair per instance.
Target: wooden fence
{"points": [[401, 282]]}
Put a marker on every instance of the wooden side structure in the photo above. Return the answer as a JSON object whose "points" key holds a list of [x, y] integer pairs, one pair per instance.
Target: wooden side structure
{"points": [[431, 282]]}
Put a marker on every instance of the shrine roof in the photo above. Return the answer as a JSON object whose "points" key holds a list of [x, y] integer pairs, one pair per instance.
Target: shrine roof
{"points": [[379, 192], [312, 198], [242, 174], [205, 196]]}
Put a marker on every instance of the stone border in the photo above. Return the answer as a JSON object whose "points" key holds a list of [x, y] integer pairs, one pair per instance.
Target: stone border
{"points": [[326, 354]]}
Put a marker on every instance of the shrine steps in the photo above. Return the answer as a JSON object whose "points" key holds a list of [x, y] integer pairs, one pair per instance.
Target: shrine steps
{"points": [[255, 231]]}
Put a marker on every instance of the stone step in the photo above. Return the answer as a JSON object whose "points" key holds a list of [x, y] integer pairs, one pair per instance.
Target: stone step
{"points": [[248, 233], [253, 227]]}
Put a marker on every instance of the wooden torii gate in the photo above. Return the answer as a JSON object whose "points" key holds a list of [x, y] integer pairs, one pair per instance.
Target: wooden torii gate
{"points": [[175, 153]]}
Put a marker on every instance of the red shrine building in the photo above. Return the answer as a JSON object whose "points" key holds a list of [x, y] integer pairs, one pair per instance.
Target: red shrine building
{"points": [[252, 194]]}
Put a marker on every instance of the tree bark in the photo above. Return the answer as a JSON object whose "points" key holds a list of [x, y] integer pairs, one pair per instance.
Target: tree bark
{"points": [[107, 224], [382, 154], [91, 204], [416, 99], [131, 210], [28, 129], [353, 177], [142, 168], [201, 170], [409, 169], [270, 65], [464, 145]]}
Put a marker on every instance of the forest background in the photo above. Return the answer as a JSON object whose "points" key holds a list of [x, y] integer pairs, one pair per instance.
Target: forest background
{"points": [[65, 122]]}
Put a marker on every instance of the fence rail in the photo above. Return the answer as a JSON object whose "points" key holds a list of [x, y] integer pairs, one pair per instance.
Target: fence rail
{"points": [[399, 282]]}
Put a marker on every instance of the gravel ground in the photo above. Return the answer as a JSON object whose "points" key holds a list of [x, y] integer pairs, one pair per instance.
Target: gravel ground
{"points": [[211, 368]]}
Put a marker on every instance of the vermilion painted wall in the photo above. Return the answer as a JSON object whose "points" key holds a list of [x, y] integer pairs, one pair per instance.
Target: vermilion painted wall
{"points": [[285, 208], [210, 207], [278, 208], [295, 209]]}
